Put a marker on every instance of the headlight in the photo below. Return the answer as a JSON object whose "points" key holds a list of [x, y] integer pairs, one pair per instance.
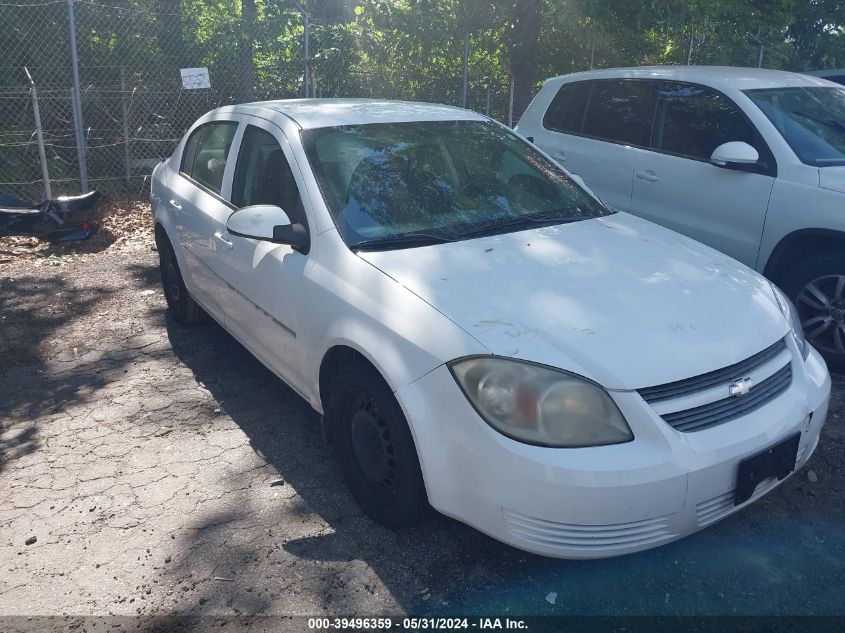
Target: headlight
{"points": [[539, 405], [791, 316]]}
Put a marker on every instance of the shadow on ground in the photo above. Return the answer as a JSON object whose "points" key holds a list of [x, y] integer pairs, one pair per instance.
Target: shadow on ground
{"points": [[785, 555], [32, 309], [58, 316]]}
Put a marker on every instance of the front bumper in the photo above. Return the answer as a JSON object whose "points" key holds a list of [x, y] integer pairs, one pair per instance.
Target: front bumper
{"points": [[601, 501]]}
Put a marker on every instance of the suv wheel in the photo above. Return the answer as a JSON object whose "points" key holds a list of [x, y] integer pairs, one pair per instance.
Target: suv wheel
{"points": [[817, 286]]}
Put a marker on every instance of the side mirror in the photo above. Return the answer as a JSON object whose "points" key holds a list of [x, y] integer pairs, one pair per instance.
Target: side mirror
{"points": [[270, 224], [734, 155]]}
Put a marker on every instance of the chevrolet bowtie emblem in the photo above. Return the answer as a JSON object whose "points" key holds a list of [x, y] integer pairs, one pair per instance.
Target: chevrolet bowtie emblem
{"points": [[741, 387]]}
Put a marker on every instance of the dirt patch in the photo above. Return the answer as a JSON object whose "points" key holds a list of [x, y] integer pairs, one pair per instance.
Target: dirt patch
{"points": [[125, 225]]}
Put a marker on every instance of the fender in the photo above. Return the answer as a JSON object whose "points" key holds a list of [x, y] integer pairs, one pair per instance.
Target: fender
{"points": [[377, 317], [800, 243]]}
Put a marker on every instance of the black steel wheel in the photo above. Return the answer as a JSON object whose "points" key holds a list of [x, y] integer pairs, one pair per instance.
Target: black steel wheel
{"points": [[375, 447]]}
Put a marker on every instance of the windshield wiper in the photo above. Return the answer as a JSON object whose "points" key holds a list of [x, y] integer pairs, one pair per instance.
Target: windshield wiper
{"points": [[829, 122], [517, 222], [406, 240]]}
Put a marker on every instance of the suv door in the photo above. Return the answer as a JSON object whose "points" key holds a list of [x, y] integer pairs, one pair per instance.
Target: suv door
{"points": [[676, 185], [264, 281], [197, 205], [592, 128]]}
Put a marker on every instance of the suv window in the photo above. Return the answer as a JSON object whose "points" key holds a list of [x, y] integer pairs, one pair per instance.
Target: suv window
{"points": [[263, 175], [692, 121], [206, 152], [566, 111], [619, 110]]}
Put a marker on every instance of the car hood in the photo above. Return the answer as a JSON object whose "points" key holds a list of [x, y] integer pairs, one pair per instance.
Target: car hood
{"points": [[619, 300], [832, 178]]}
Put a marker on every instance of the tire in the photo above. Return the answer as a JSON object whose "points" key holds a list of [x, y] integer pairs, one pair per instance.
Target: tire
{"points": [[375, 448], [182, 306], [817, 287]]}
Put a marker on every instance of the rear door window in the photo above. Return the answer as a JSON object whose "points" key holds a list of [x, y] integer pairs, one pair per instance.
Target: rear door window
{"points": [[190, 152], [206, 153], [619, 111], [566, 111]]}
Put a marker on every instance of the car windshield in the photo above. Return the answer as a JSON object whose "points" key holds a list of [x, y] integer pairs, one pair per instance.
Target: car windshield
{"points": [[398, 185], [811, 119]]}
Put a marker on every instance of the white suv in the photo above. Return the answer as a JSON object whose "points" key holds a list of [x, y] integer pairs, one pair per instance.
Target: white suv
{"points": [[748, 161]]}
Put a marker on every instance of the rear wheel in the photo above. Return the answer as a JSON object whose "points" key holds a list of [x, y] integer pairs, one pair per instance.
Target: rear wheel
{"points": [[184, 309], [817, 286], [375, 448]]}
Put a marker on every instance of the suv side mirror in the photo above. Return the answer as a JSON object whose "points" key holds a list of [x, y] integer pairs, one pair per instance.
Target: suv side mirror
{"points": [[734, 155], [270, 224]]}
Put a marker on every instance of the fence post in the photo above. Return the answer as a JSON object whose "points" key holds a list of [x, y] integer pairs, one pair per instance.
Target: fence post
{"points": [[307, 73], [592, 50], [77, 102], [42, 155], [510, 102], [466, 62], [760, 56], [127, 165], [689, 53], [487, 107]]}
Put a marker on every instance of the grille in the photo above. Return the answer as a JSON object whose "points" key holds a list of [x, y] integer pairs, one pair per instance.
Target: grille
{"points": [[587, 537], [699, 418], [688, 386]]}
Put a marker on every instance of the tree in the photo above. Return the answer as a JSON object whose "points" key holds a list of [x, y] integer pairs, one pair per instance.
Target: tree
{"points": [[521, 36], [247, 51]]}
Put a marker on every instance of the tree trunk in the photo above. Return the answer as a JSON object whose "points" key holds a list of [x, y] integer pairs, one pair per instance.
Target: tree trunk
{"points": [[521, 40], [169, 34], [247, 66]]}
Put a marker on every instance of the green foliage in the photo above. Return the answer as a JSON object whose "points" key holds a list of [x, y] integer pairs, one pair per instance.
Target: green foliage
{"points": [[413, 48]]}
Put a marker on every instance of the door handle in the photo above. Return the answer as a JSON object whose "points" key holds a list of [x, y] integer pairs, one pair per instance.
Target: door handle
{"points": [[559, 155], [175, 204], [648, 175], [219, 237]]}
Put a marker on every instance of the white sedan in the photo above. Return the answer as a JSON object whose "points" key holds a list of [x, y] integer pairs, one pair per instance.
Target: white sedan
{"points": [[480, 333]]}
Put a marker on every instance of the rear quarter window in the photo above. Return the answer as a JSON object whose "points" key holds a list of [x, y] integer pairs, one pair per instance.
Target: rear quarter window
{"points": [[619, 110], [566, 111]]}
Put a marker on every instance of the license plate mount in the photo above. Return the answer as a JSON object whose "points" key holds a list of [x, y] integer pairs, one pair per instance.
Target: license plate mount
{"points": [[776, 461]]}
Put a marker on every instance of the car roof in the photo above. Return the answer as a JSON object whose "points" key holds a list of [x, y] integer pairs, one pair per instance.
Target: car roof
{"points": [[715, 76], [314, 113]]}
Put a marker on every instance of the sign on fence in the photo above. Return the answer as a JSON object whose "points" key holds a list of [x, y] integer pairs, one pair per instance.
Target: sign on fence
{"points": [[194, 78]]}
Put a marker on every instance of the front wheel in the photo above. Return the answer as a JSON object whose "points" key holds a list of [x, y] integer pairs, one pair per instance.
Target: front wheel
{"points": [[375, 448], [817, 286]]}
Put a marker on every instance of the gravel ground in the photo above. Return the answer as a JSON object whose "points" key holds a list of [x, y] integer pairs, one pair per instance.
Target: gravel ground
{"points": [[140, 465]]}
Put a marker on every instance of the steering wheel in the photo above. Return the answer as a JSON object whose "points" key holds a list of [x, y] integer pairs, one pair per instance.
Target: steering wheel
{"points": [[483, 183], [533, 186]]}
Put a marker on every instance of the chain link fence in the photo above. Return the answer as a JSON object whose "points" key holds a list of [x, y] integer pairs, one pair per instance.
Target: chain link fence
{"points": [[108, 124]]}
